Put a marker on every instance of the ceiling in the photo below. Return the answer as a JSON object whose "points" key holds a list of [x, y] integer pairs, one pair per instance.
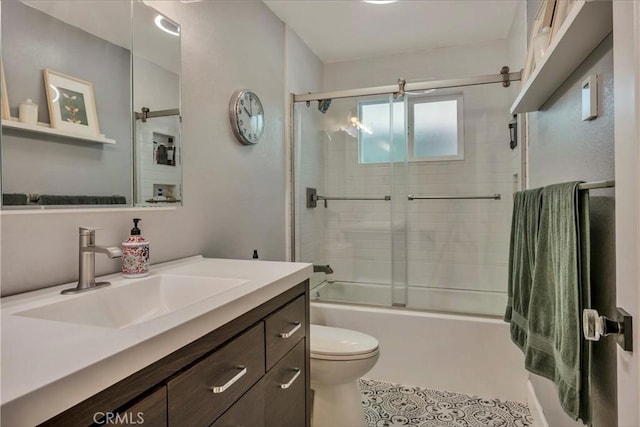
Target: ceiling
{"points": [[340, 30]]}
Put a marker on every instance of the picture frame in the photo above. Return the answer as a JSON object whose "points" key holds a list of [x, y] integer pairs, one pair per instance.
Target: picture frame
{"points": [[563, 7], [6, 114], [71, 102], [543, 19]]}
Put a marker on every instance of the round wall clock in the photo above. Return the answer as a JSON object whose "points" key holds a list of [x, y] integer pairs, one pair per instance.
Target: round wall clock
{"points": [[247, 116]]}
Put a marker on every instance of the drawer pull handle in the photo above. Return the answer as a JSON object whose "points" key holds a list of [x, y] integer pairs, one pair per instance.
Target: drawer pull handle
{"points": [[292, 331], [222, 388], [295, 376]]}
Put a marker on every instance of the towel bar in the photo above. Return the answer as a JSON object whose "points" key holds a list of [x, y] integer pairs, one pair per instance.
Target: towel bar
{"points": [[595, 326]]}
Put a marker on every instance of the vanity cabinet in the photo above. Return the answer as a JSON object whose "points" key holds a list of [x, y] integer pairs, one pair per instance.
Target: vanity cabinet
{"points": [[202, 393], [284, 386], [252, 371], [151, 410]]}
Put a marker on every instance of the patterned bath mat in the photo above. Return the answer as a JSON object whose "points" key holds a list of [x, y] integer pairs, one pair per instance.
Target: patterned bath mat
{"points": [[391, 405]]}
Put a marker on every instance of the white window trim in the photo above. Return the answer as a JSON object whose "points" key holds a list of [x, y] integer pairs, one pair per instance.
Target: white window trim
{"points": [[439, 98], [410, 120]]}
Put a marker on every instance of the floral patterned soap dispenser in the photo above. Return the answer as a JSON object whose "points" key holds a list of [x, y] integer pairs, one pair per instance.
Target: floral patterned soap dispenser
{"points": [[135, 254]]}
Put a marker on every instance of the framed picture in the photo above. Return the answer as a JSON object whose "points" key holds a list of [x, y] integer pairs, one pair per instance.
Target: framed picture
{"points": [[542, 20], [6, 115], [559, 15], [72, 105]]}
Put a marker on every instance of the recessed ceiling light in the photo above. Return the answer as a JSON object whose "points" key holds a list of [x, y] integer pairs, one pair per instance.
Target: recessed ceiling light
{"points": [[167, 26], [380, 1]]}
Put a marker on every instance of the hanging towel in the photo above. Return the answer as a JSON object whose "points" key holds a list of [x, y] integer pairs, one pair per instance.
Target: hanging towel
{"points": [[546, 307], [524, 237]]}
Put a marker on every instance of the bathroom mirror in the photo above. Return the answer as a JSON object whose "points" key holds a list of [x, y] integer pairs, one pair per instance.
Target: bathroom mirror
{"points": [[76, 60], [156, 100]]}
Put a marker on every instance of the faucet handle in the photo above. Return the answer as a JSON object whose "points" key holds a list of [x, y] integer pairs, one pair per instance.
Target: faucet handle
{"points": [[85, 231]]}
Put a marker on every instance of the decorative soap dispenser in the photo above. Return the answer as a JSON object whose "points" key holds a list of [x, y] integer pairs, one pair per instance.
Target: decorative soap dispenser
{"points": [[135, 254]]}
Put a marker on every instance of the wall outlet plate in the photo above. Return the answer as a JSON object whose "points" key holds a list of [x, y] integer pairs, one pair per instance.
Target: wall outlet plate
{"points": [[589, 91]]}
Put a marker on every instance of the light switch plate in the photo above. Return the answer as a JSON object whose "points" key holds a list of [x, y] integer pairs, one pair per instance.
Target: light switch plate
{"points": [[589, 91]]}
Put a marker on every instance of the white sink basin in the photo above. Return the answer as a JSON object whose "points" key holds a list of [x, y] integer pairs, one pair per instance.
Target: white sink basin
{"points": [[122, 305]]}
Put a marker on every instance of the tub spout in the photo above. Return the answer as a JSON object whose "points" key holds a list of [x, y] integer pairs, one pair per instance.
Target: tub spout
{"points": [[322, 269]]}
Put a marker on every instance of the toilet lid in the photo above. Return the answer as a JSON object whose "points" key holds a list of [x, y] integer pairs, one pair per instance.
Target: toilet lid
{"points": [[330, 341]]}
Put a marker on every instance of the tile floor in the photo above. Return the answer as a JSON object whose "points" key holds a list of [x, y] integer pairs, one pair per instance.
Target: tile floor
{"points": [[392, 405]]}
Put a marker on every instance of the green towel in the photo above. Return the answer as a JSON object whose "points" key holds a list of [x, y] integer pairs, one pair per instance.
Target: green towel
{"points": [[546, 321], [524, 237]]}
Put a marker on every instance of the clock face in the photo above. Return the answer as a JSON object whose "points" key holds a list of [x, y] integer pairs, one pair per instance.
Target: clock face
{"points": [[247, 116]]}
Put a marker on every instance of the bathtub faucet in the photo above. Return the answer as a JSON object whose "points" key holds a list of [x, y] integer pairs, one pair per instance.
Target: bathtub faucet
{"points": [[322, 269]]}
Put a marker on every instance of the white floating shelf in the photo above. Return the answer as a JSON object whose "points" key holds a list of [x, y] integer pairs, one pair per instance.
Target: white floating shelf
{"points": [[586, 25], [45, 129]]}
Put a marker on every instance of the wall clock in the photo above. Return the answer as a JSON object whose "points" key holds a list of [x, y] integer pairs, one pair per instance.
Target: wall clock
{"points": [[247, 116]]}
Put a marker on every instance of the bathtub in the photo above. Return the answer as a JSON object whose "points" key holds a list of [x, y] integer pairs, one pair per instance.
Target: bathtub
{"points": [[458, 353], [445, 300]]}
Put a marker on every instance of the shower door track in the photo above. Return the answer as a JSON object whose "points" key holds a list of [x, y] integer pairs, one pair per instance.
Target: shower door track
{"points": [[504, 77]]}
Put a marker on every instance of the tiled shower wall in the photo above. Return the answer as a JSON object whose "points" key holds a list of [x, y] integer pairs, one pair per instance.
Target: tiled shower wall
{"points": [[452, 246]]}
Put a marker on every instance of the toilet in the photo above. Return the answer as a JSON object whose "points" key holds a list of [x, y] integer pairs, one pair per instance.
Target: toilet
{"points": [[338, 358]]}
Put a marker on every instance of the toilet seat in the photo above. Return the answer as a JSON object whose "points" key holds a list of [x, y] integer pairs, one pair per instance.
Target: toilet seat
{"points": [[329, 343]]}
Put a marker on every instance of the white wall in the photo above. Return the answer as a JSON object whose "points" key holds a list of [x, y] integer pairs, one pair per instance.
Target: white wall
{"points": [[626, 66], [517, 47], [461, 244], [563, 148], [233, 194], [305, 75], [434, 64]]}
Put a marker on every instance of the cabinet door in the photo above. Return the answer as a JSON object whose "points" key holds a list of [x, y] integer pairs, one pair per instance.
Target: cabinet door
{"points": [[246, 412], [285, 390]]}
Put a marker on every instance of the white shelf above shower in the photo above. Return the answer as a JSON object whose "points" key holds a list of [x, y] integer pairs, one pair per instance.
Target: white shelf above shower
{"points": [[587, 24], [46, 129]]}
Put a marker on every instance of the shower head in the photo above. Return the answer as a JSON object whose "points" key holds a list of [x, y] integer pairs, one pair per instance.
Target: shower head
{"points": [[323, 105]]}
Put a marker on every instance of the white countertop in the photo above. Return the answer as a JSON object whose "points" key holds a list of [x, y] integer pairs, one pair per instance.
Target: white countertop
{"points": [[49, 366]]}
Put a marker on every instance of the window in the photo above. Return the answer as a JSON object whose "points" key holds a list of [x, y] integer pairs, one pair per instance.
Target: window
{"points": [[435, 130]]}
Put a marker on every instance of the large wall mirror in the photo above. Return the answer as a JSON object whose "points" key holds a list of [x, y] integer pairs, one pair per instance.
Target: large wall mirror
{"points": [[90, 105]]}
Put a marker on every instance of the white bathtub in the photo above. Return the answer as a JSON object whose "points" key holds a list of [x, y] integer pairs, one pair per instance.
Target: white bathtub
{"points": [[464, 301], [464, 354]]}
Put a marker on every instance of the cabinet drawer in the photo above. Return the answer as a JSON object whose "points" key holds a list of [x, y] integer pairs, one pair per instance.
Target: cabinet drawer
{"points": [[284, 329], [152, 411], [285, 390], [246, 412], [201, 394]]}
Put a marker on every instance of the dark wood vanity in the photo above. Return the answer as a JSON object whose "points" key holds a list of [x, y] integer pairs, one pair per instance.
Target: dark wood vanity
{"points": [[252, 371]]}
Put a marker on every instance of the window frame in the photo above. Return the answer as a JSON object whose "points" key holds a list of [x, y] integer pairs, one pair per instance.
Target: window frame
{"points": [[411, 102], [423, 99]]}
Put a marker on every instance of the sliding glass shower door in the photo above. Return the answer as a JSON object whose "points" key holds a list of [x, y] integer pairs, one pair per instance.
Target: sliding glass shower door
{"points": [[408, 199], [350, 197]]}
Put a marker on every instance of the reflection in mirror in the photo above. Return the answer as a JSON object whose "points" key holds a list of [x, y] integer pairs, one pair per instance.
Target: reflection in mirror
{"points": [[71, 144], [156, 98], [76, 148]]}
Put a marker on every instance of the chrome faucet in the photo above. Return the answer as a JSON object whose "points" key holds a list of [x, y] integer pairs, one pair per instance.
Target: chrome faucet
{"points": [[87, 261], [322, 269]]}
